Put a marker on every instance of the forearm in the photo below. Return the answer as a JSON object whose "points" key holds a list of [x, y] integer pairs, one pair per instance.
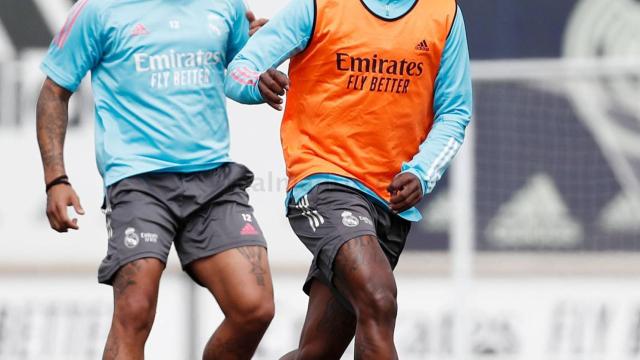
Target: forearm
{"points": [[282, 37], [51, 124], [437, 151], [452, 108], [243, 74]]}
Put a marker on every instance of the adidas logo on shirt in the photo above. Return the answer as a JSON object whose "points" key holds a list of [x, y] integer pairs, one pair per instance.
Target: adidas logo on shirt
{"points": [[139, 29], [423, 46]]}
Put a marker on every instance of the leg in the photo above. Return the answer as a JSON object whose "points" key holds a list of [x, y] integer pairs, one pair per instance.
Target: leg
{"points": [[328, 327], [135, 294], [240, 281], [362, 273], [132, 210]]}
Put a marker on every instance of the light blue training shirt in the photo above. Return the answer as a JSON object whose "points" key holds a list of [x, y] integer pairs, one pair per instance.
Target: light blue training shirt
{"points": [[288, 33], [157, 72]]}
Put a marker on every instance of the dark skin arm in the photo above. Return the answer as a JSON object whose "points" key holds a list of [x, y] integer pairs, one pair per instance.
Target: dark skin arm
{"points": [[51, 124]]}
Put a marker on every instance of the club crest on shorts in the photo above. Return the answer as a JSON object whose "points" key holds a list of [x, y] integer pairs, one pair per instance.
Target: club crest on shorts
{"points": [[131, 239], [349, 220]]}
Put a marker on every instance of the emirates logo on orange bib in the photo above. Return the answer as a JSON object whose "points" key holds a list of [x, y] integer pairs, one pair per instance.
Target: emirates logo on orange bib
{"points": [[376, 74]]}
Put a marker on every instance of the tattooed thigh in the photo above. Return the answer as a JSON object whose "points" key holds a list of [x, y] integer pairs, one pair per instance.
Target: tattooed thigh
{"points": [[255, 255], [128, 276]]}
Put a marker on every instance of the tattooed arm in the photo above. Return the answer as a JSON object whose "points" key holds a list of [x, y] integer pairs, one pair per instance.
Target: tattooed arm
{"points": [[51, 123]]}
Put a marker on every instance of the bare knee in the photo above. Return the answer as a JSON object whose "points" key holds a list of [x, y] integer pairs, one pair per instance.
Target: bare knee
{"points": [[135, 314], [364, 276], [377, 304], [252, 315]]}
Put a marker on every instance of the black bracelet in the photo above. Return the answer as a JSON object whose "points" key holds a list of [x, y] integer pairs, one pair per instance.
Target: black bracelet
{"points": [[64, 179]]}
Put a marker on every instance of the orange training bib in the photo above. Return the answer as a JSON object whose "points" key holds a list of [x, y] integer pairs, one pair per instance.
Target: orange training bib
{"points": [[361, 96]]}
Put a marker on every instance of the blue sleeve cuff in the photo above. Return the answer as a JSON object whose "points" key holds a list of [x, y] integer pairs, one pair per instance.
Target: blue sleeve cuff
{"points": [[256, 94], [241, 84]]}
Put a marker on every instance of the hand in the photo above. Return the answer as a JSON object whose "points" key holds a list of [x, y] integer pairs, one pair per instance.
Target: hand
{"points": [[58, 198], [255, 25], [406, 192], [273, 84]]}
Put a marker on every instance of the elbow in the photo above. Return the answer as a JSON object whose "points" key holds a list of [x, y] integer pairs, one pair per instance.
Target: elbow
{"points": [[459, 120], [451, 126]]}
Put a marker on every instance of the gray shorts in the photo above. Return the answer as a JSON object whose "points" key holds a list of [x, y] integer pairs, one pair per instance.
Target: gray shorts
{"points": [[203, 213], [332, 214]]}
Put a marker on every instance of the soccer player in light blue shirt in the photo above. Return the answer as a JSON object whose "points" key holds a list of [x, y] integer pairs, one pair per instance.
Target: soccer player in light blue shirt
{"points": [[344, 295], [162, 148]]}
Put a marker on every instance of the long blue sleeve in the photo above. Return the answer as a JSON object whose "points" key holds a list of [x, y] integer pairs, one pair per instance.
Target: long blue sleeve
{"points": [[281, 38], [285, 35], [452, 111], [239, 26]]}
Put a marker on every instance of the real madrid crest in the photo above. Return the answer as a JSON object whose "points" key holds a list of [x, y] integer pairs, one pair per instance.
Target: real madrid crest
{"points": [[131, 239], [349, 220]]}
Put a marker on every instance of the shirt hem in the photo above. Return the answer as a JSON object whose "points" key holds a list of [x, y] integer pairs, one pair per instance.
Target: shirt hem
{"points": [[110, 180], [54, 74], [412, 214]]}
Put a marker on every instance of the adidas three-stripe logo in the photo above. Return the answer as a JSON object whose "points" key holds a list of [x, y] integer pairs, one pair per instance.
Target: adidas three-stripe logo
{"points": [[422, 46], [315, 219]]}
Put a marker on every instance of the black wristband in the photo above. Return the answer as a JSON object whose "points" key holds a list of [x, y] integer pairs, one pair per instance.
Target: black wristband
{"points": [[64, 179]]}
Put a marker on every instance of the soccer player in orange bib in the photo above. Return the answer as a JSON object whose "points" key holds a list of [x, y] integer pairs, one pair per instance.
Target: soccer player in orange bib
{"points": [[378, 99]]}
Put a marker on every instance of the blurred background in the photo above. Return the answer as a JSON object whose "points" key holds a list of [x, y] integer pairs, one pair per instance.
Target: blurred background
{"points": [[530, 247]]}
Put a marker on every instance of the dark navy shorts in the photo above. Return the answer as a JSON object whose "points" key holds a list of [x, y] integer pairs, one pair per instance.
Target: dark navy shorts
{"points": [[202, 213], [332, 214]]}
